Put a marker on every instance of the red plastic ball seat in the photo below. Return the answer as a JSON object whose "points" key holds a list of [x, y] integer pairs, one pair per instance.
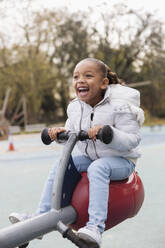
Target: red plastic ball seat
{"points": [[125, 200]]}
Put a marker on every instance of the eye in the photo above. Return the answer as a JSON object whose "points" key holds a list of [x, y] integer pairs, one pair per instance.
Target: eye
{"points": [[75, 77], [89, 75]]}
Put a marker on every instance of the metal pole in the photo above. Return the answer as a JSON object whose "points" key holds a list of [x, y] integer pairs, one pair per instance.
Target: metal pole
{"points": [[5, 102], [24, 103], [139, 84], [23, 232], [59, 177]]}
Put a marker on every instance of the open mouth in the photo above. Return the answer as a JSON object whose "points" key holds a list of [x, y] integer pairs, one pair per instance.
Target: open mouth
{"points": [[83, 89]]}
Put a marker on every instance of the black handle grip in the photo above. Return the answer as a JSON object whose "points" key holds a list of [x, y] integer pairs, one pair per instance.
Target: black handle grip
{"points": [[105, 135], [47, 140], [45, 137]]}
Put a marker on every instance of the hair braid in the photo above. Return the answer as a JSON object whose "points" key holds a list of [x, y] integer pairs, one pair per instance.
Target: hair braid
{"points": [[112, 76]]}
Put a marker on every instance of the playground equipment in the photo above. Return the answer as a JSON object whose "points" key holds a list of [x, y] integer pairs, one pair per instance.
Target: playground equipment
{"points": [[20, 113], [18, 117], [70, 199], [4, 125]]}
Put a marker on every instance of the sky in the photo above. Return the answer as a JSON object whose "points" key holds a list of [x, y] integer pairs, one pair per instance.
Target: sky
{"points": [[155, 6], [10, 10], [150, 5]]}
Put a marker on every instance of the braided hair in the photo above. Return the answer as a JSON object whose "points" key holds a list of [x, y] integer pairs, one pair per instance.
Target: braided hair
{"points": [[112, 77]]}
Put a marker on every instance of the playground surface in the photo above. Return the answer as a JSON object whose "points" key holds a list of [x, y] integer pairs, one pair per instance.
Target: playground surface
{"points": [[23, 173]]}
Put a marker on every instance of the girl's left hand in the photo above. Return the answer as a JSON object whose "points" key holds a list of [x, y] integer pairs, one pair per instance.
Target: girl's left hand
{"points": [[93, 131]]}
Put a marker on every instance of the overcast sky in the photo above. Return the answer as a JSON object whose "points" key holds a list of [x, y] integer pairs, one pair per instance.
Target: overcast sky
{"points": [[9, 16], [150, 5]]}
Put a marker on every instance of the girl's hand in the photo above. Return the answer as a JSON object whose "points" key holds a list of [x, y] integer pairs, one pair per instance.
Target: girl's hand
{"points": [[93, 131], [54, 131]]}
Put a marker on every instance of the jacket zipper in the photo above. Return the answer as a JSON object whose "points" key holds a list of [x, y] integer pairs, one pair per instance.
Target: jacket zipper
{"points": [[92, 115], [86, 148], [91, 118]]}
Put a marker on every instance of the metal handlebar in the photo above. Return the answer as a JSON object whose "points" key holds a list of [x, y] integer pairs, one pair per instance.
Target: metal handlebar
{"points": [[105, 135]]}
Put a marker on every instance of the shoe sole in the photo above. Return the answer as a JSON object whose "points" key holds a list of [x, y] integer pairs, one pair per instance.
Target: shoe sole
{"points": [[13, 219], [88, 239]]}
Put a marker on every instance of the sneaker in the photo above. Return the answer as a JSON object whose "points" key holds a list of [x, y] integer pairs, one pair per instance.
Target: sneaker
{"points": [[90, 234], [16, 217]]}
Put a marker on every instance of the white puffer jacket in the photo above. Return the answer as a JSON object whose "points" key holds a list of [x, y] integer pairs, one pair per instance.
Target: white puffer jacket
{"points": [[119, 109]]}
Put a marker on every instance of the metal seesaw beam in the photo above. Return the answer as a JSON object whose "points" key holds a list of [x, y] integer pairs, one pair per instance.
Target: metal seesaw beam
{"points": [[23, 232]]}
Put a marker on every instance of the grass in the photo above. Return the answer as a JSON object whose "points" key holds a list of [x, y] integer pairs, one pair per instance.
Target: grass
{"points": [[154, 121]]}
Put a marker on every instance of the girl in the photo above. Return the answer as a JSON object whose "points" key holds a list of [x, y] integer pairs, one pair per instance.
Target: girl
{"points": [[101, 100]]}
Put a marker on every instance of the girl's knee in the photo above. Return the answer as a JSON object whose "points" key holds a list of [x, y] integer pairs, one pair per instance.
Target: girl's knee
{"points": [[97, 167], [81, 163]]}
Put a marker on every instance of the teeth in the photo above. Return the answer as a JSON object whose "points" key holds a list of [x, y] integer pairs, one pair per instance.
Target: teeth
{"points": [[83, 89]]}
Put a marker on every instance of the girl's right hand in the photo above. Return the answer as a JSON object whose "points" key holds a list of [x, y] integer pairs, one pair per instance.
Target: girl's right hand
{"points": [[93, 131], [54, 131]]}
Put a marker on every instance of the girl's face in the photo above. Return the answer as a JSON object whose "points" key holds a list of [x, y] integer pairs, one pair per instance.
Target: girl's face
{"points": [[89, 82]]}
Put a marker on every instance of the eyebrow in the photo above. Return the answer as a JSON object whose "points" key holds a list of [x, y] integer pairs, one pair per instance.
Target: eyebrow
{"points": [[85, 72]]}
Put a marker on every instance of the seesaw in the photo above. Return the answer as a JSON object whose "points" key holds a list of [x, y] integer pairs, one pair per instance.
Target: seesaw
{"points": [[70, 198]]}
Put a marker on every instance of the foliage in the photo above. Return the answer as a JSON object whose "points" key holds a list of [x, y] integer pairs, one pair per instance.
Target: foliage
{"points": [[40, 67]]}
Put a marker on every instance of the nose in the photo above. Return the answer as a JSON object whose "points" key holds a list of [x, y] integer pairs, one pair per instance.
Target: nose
{"points": [[81, 79]]}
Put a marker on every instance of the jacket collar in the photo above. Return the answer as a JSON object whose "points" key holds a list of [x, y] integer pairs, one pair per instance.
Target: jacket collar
{"points": [[106, 97], [107, 93]]}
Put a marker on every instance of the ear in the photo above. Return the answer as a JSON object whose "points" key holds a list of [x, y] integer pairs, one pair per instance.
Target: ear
{"points": [[105, 83]]}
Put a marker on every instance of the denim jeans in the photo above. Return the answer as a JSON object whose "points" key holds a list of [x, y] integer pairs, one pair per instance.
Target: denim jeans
{"points": [[100, 172]]}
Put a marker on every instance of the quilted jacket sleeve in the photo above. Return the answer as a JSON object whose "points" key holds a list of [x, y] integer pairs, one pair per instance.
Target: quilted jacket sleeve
{"points": [[126, 130], [69, 125]]}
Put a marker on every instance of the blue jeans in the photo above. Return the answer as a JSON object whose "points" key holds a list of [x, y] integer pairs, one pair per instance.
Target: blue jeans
{"points": [[100, 172]]}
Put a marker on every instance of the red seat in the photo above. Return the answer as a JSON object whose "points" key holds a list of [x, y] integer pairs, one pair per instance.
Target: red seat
{"points": [[125, 200]]}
